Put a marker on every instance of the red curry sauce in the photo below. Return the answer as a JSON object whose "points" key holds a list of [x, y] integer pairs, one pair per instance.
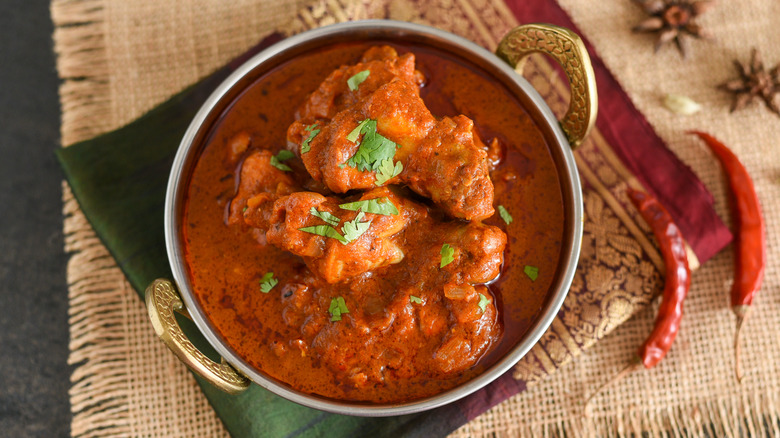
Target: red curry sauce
{"points": [[226, 261]]}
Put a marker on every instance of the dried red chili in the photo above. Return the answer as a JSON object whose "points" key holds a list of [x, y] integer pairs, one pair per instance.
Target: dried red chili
{"points": [[676, 284], [749, 236]]}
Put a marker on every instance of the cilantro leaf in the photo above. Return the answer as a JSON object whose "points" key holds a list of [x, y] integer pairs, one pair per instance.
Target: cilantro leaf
{"points": [[267, 282], [353, 136], [278, 159], [383, 206], [337, 307], [279, 165], [355, 228], [312, 133], [357, 79], [284, 155], [531, 271], [374, 147], [335, 312], [387, 171], [342, 305], [447, 255], [324, 231], [505, 215], [326, 216], [483, 302], [415, 300]]}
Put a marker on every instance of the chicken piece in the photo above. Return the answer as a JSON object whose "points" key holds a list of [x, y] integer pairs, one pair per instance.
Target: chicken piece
{"points": [[451, 168], [334, 94], [400, 115], [478, 252], [339, 256], [443, 160], [257, 175], [473, 332], [458, 331], [372, 346]]}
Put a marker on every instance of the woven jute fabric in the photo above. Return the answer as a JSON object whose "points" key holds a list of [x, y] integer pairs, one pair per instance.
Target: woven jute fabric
{"points": [[119, 59]]}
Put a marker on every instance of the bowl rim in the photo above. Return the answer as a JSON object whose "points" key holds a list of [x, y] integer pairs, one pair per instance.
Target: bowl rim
{"points": [[177, 187]]}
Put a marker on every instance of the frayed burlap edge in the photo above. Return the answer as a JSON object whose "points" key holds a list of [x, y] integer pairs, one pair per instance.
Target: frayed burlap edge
{"points": [[98, 396], [85, 96]]}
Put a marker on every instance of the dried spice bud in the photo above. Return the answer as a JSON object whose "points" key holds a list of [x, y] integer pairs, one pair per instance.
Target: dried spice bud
{"points": [[680, 104], [754, 82], [674, 21]]}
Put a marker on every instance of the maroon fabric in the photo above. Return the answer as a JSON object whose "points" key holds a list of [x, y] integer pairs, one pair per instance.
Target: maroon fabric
{"points": [[499, 390], [639, 148]]}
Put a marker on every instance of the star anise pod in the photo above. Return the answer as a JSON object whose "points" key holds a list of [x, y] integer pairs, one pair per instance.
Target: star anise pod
{"points": [[755, 82], [674, 20]]}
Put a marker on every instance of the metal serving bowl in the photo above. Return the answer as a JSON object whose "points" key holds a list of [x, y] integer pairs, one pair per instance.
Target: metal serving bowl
{"points": [[234, 374]]}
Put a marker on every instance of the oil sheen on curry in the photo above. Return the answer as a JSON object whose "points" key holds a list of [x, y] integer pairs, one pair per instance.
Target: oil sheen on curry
{"points": [[373, 222]]}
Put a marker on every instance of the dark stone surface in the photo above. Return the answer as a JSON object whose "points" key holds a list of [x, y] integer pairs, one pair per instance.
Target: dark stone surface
{"points": [[34, 376]]}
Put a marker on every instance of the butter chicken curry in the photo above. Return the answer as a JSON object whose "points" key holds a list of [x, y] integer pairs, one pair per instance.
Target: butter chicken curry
{"points": [[373, 222]]}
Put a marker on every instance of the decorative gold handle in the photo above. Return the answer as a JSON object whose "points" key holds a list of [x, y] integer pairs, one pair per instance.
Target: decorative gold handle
{"points": [[568, 49], [162, 300]]}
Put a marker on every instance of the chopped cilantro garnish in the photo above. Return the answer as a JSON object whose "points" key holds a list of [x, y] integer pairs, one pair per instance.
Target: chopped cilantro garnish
{"points": [[357, 79], [374, 147], [415, 300], [324, 231], [244, 210], [505, 214], [387, 171], [337, 307], [354, 228], [381, 205], [326, 216], [278, 160], [531, 271], [483, 302], [267, 282], [447, 255], [312, 133]]}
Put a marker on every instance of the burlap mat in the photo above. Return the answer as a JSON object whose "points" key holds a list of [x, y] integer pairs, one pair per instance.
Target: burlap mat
{"points": [[119, 59]]}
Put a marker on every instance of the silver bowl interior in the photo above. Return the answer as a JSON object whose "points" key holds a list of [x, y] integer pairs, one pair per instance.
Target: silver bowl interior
{"points": [[380, 30]]}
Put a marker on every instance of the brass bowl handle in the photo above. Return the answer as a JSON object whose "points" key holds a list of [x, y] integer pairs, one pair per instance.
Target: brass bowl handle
{"points": [[568, 49], [162, 300]]}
